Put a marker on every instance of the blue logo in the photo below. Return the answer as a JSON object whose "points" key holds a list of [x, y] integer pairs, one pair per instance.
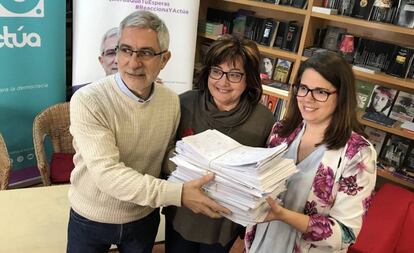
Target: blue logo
{"points": [[22, 8]]}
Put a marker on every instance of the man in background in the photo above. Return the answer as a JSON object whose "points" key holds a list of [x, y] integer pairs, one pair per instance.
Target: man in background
{"points": [[107, 58]]}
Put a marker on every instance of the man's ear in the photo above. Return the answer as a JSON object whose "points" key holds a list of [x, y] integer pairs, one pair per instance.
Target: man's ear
{"points": [[100, 58], [165, 58]]}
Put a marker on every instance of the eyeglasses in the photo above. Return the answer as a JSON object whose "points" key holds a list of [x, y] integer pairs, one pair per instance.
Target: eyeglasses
{"points": [[143, 54], [109, 52], [232, 76], [318, 94]]}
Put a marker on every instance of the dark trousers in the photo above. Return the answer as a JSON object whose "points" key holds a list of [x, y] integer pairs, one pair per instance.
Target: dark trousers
{"points": [[88, 236], [175, 243]]}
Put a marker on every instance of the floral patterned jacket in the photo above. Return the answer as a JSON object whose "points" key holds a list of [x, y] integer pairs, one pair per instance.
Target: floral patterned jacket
{"points": [[340, 195]]}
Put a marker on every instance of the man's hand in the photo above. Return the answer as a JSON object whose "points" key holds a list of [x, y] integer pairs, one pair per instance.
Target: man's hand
{"points": [[194, 198]]}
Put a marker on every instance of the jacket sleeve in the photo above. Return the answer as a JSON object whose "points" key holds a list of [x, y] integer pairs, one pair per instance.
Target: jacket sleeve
{"points": [[354, 189]]}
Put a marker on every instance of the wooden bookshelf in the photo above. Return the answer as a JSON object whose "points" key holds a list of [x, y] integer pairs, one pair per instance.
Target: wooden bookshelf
{"points": [[391, 177]]}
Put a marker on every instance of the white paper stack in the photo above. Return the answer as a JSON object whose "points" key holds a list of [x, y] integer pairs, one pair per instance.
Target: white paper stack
{"points": [[244, 176]]}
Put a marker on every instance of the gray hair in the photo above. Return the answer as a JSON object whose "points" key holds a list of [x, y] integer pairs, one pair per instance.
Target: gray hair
{"points": [[110, 33], [146, 19]]}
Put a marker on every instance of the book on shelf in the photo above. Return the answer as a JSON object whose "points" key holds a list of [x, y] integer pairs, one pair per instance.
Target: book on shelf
{"points": [[346, 6], [282, 70], [379, 119], [363, 91], [376, 137], [384, 11], [408, 127], [274, 33], [280, 34], [267, 66], [408, 164], [362, 9], [299, 3], [332, 4], [319, 37], [403, 108], [278, 85], [381, 100], [333, 37], [223, 17], [271, 103], [365, 69], [263, 99], [292, 37], [267, 32], [373, 54], [395, 150], [400, 61], [324, 10], [405, 14]]}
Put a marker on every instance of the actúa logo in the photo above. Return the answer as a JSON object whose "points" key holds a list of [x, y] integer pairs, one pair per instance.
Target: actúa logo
{"points": [[22, 8], [19, 38]]}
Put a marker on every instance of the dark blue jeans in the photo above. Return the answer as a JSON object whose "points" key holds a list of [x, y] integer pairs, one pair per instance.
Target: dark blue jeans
{"points": [[88, 236]]}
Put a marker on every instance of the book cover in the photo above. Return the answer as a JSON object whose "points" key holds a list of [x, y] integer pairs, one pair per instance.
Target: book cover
{"points": [[271, 103], [405, 14], [400, 61], [376, 137], [280, 34], [379, 118], [346, 7], [381, 100], [384, 11], [408, 164], [333, 37], [263, 99], [292, 37], [363, 91], [282, 70], [324, 10], [362, 9], [267, 65], [267, 32], [394, 151], [403, 108], [299, 3]]}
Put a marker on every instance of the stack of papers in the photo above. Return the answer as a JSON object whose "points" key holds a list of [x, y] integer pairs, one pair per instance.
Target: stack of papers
{"points": [[244, 176]]}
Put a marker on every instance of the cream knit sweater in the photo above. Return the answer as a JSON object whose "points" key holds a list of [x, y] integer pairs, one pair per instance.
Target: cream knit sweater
{"points": [[120, 146]]}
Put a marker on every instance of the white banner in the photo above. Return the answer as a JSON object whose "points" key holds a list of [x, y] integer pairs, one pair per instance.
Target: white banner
{"points": [[93, 19]]}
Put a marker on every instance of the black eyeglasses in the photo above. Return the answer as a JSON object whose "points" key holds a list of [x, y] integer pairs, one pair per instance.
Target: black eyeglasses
{"points": [[143, 54], [318, 94], [232, 76]]}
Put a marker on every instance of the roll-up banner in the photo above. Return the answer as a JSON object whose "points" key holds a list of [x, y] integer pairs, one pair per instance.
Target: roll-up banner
{"points": [[96, 22], [32, 67]]}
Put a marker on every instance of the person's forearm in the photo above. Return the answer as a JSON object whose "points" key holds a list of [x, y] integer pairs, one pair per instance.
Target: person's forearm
{"points": [[297, 220]]}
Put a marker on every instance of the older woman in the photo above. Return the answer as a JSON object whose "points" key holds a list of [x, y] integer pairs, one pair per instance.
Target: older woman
{"points": [[227, 100], [325, 201]]}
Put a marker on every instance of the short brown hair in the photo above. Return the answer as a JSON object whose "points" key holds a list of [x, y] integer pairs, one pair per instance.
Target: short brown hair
{"points": [[338, 72], [229, 48]]}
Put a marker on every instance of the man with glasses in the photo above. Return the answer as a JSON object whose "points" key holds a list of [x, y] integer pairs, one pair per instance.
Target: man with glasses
{"points": [[122, 126], [107, 57]]}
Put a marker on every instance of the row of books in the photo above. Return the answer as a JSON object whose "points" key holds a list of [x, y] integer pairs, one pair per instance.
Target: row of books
{"points": [[275, 69], [301, 4], [384, 105], [276, 105], [395, 153], [398, 12], [265, 31], [366, 54]]}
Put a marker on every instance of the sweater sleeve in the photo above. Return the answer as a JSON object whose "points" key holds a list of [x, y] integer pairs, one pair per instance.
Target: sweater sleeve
{"points": [[95, 142], [354, 190]]}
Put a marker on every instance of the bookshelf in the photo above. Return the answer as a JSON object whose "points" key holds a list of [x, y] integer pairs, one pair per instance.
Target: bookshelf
{"points": [[310, 21]]}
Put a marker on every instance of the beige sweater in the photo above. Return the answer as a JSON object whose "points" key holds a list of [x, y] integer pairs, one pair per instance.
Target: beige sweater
{"points": [[120, 146]]}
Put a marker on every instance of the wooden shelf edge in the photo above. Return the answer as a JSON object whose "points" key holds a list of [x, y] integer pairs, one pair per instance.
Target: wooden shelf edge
{"points": [[389, 176], [271, 51], [396, 129], [268, 6], [283, 94], [405, 83], [365, 23]]}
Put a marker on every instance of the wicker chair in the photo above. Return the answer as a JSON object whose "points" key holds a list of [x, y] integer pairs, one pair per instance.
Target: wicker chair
{"points": [[4, 165], [53, 122]]}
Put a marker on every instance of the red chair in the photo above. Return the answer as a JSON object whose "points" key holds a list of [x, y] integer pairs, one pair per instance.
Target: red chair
{"points": [[389, 224]]}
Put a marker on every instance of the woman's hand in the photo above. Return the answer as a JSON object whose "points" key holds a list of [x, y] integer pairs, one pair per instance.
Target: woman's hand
{"points": [[276, 211]]}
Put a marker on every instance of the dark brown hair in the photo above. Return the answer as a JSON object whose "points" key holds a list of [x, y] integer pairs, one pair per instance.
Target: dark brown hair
{"points": [[230, 48], [338, 72]]}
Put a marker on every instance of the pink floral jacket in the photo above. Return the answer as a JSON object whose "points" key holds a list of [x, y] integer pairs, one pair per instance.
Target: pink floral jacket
{"points": [[340, 195]]}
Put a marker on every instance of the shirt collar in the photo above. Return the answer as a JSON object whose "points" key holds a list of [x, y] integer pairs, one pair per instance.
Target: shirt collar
{"points": [[124, 88]]}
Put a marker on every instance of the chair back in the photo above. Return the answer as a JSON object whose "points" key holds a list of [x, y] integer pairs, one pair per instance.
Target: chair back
{"points": [[5, 164], [54, 122]]}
